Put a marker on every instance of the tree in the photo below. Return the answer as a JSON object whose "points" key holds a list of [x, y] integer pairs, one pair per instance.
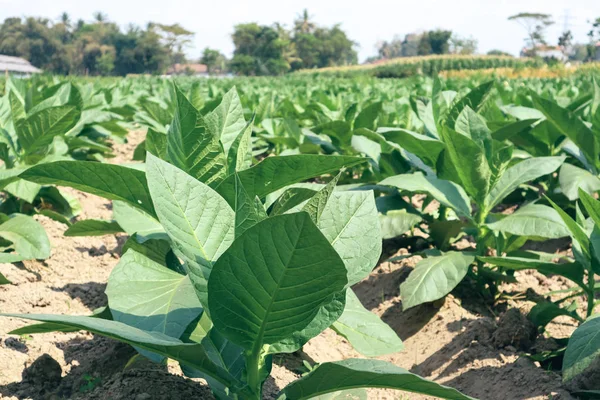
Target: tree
{"points": [[461, 45], [303, 23], [175, 37], [439, 40], [214, 60], [535, 24], [258, 50]]}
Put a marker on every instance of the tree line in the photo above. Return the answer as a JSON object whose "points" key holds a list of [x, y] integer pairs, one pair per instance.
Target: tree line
{"points": [[101, 47]]}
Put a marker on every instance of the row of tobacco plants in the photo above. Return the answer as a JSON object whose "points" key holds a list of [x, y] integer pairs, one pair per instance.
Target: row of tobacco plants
{"points": [[251, 212]]}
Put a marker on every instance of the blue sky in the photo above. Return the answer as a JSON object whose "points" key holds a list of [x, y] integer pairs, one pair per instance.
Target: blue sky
{"points": [[366, 22]]}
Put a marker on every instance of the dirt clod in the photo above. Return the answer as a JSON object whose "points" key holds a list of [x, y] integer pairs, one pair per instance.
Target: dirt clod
{"points": [[15, 344], [44, 372], [514, 329]]}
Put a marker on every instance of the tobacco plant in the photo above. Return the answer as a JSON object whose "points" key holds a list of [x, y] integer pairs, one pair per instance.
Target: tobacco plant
{"points": [[469, 172], [243, 285]]}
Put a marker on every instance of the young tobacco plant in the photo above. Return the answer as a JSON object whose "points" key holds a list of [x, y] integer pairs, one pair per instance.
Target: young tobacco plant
{"points": [[244, 285], [583, 346], [469, 173]]}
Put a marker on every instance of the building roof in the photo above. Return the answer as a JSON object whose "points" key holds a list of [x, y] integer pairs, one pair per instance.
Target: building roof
{"points": [[16, 64], [188, 68]]}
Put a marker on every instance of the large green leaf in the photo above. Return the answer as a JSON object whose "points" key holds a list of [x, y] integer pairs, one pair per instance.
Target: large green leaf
{"points": [[572, 127], [39, 129], [475, 100], [23, 189], [532, 220], [28, 238], [424, 147], [148, 296], [198, 221], [577, 232], [273, 280], [446, 192], [113, 182], [367, 116], [192, 355], [525, 171], [274, 173], [583, 348], [349, 222], [227, 120], [470, 168], [572, 178], [191, 147], [367, 333], [355, 373], [433, 278]]}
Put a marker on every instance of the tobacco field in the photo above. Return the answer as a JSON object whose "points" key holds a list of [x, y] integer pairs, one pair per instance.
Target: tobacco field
{"points": [[301, 237]]}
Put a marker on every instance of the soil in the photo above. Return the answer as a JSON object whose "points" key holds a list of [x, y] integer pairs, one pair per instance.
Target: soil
{"points": [[460, 341]]}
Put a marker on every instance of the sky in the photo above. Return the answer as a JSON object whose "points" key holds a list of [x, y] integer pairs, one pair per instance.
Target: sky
{"points": [[366, 22]]}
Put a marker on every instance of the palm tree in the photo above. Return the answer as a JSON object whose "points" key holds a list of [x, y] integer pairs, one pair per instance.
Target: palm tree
{"points": [[303, 23], [65, 19], [100, 17]]}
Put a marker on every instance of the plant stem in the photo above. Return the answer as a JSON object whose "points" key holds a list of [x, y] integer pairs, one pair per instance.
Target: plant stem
{"points": [[590, 294], [253, 375]]}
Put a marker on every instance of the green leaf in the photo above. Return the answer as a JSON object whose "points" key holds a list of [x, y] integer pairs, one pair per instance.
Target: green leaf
{"points": [[327, 315], [512, 129], [433, 278], [532, 220], [475, 99], [290, 199], [355, 373], [3, 280], [272, 281], [397, 222], [583, 348], [572, 127], [592, 206], [193, 355], [156, 143], [274, 173], [572, 179], [23, 189], [39, 129], [239, 156], [349, 222], [572, 271], [28, 238], [113, 182], [148, 296], [248, 211], [471, 168], [191, 147], [577, 232], [523, 172], [446, 192], [426, 148], [365, 331], [198, 221], [545, 312], [227, 120], [155, 249], [315, 206], [367, 116], [93, 227], [133, 220]]}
